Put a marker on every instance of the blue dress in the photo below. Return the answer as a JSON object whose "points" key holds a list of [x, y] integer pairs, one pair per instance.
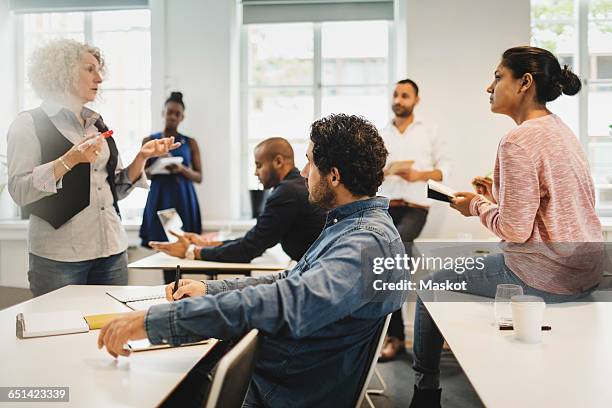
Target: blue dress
{"points": [[171, 191]]}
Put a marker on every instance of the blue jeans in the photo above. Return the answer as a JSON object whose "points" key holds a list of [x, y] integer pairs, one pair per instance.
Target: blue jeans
{"points": [[46, 275], [428, 340]]}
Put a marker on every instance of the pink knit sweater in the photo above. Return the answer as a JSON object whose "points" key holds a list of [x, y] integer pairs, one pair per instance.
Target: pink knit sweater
{"points": [[546, 207]]}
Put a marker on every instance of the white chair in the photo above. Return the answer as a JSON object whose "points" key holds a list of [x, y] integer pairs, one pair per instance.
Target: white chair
{"points": [[233, 374], [372, 370]]}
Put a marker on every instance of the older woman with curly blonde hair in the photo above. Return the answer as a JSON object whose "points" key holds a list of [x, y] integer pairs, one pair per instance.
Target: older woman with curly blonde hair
{"points": [[66, 173]]}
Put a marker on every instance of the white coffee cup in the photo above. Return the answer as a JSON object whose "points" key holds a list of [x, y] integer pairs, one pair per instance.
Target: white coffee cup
{"points": [[527, 314]]}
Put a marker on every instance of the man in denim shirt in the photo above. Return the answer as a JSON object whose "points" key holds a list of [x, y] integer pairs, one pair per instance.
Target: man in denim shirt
{"points": [[318, 319]]}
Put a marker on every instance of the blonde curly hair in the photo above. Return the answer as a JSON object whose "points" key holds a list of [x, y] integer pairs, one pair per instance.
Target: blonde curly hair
{"points": [[54, 67]]}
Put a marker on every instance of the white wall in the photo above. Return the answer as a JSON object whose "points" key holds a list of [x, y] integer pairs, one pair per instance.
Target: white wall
{"points": [[453, 48], [197, 44]]}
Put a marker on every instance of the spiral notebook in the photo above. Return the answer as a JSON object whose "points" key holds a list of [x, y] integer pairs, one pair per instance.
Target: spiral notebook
{"points": [[140, 298]]}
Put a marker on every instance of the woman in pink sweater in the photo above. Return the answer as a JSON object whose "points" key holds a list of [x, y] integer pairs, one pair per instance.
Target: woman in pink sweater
{"points": [[541, 203]]}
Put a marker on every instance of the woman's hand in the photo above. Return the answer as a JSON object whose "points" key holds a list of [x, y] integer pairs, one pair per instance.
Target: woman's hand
{"points": [[484, 187], [187, 288], [462, 201], [158, 147], [85, 152], [175, 168]]}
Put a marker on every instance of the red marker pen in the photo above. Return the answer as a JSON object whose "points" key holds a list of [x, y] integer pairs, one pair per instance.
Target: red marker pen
{"points": [[92, 141]]}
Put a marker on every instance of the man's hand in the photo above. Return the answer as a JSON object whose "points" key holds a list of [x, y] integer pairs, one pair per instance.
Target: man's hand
{"points": [[410, 174], [187, 288], [484, 187], [203, 240], [177, 248], [115, 334], [398, 166], [462, 201]]}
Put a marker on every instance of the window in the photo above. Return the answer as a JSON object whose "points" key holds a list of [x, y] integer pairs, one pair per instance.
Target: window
{"points": [[579, 32], [295, 73], [125, 100]]}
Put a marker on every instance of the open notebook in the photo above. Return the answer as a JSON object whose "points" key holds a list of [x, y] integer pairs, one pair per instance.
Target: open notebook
{"points": [[140, 298]]}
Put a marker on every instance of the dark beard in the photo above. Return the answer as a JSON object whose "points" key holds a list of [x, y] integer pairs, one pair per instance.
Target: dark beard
{"points": [[273, 180], [402, 112], [324, 196]]}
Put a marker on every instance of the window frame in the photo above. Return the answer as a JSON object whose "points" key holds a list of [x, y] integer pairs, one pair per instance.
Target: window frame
{"points": [[582, 66], [316, 86]]}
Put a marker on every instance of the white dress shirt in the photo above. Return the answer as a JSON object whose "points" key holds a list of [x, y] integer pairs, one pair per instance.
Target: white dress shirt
{"points": [[95, 232], [419, 142]]}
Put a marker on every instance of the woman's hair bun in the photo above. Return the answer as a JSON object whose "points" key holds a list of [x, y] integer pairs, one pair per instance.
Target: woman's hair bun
{"points": [[176, 96], [570, 82]]}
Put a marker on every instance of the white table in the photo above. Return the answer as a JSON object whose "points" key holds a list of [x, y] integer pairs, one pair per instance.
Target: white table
{"points": [[95, 379], [161, 260], [572, 367]]}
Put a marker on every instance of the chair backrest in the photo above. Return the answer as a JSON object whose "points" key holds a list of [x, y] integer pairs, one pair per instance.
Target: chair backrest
{"points": [[377, 343], [233, 374]]}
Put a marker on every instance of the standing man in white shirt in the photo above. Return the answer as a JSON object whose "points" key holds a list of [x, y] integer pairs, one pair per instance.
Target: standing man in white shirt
{"points": [[415, 156]]}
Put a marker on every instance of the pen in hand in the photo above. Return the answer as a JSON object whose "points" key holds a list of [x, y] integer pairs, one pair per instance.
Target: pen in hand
{"points": [[176, 278]]}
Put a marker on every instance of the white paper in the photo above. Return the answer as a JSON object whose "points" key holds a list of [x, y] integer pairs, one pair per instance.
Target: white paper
{"points": [[133, 294], [441, 188], [54, 323], [159, 166]]}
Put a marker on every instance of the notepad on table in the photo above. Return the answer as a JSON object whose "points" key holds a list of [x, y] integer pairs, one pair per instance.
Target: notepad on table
{"points": [[32, 324], [439, 191], [140, 298]]}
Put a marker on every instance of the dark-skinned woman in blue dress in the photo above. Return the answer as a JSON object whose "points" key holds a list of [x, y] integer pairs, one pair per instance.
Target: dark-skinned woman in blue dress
{"points": [[173, 190]]}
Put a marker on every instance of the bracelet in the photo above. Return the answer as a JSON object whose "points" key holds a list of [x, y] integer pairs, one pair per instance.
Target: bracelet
{"points": [[64, 164]]}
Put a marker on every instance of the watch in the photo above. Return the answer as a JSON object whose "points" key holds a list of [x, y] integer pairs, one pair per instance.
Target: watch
{"points": [[190, 252]]}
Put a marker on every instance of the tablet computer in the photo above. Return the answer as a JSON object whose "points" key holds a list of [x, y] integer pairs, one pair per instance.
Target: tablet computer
{"points": [[170, 220]]}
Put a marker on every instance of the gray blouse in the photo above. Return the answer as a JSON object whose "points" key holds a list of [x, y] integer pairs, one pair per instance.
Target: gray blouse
{"points": [[95, 232]]}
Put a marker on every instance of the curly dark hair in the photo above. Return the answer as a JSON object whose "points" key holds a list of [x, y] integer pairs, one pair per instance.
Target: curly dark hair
{"points": [[353, 146]]}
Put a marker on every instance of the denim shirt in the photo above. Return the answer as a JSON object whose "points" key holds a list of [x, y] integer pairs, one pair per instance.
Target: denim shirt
{"points": [[318, 320]]}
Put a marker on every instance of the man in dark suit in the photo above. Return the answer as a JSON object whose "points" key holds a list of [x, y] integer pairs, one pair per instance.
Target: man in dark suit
{"points": [[287, 217]]}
